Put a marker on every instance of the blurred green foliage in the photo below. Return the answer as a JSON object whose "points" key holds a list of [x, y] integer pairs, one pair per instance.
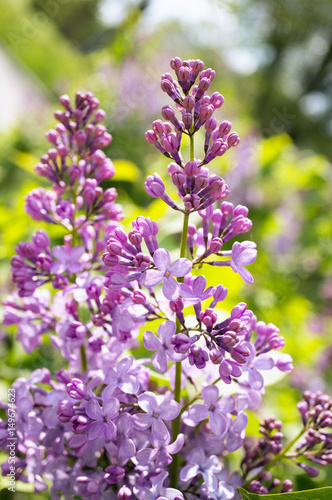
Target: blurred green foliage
{"points": [[60, 46]]}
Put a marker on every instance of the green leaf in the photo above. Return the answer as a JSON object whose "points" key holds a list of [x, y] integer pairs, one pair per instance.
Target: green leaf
{"points": [[315, 494], [126, 171]]}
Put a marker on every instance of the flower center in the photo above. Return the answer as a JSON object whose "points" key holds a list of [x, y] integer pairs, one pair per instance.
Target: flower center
{"points": [[167, 274], [211, 408], [155, 415]]}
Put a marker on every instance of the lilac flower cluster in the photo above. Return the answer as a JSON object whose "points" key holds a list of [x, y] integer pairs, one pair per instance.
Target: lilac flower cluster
{"points": [[108, 425]]}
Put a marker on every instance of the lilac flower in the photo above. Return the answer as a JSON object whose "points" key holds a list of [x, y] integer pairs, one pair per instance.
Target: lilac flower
{"points": [[102, 418], [84, 287], [157, 491], [67, 259], [121, 376], [243, 254], [198, 464], [161, 452], [254, 364], [196, 293], [162, 345], [214, 409], [166, 273], [158, 409]]}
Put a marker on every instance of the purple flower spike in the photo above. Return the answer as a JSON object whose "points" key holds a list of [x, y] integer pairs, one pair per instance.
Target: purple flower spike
{"points": [[162, 345], [243, 254], [158, 409], [102, 418], [199, 465], [214, 409], [166, 272]]}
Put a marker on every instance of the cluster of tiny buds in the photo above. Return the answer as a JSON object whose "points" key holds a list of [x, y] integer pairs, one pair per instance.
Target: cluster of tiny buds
{"points": [[196, 186], [77, 139]]}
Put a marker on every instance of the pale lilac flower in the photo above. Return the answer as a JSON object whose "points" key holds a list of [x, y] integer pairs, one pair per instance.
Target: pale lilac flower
{"points": [[84, 287], [236, 431], [196, 293], [157, 491], [198, 464], [213, 408], [162, 345], [121, 376], [67, 259], [157, 408], [254, 364], [166, 272], [102, 418], [243, 254], [161, 452]]}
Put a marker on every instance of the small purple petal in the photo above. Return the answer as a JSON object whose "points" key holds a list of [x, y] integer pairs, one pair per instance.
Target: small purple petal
{"points": [[218, 423], [171, 289], [210, 394]]}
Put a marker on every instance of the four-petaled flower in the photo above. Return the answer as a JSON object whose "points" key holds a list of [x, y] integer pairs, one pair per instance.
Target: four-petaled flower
{"points": [[196, 293], [102, 418], [198, 464], [214, 409], [162, 345], [165, 273], [67, 258], [121, 376], [157, 408]]}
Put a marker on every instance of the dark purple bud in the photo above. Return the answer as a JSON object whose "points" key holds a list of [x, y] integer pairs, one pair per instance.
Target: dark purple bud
{"points": [[224, 128], [240, 353], [114, 474], [177, 305], [41, 240], [135, 238], [65, 101], [76, 389], [211, 124], [65, 411], [188, 102], [138, 297], [79, 423], [181, 343], [151, 137], [52, 136], [190, 168], [233, 140], [216, 100], [154, 186], [176, 63]]}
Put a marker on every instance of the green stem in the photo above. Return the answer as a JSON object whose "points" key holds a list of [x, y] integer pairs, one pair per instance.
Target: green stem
{"points": [[83, 358], [192, 149], [176, 424]]}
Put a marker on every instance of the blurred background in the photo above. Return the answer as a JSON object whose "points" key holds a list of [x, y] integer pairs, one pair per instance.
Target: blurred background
{"points": [[273, 62]]}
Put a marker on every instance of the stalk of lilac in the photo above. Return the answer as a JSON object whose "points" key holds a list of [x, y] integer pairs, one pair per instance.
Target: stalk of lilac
{"points": [[176, 423]]}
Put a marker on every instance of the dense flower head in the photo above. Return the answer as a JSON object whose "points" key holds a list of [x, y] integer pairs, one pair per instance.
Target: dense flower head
{"points": [[138, 409]]}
